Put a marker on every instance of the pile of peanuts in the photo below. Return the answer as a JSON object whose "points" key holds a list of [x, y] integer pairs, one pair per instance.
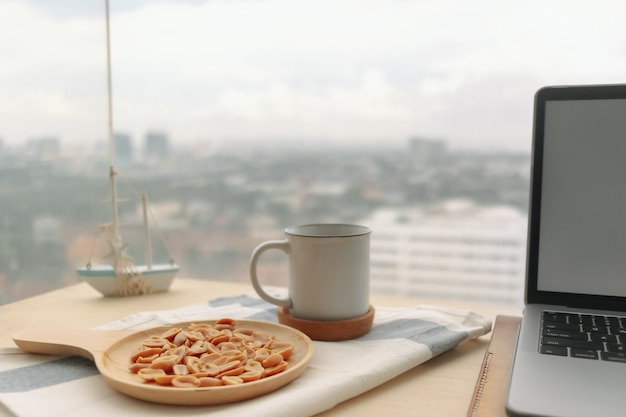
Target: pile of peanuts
{"points": [[205, 355]]}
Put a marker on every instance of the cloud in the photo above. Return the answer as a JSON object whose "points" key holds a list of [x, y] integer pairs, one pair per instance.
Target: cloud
{"points": [[344, 69]]}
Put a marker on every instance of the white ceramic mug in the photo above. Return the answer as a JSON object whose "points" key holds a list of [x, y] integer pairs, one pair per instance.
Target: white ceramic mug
{"points": [[328, 271]]}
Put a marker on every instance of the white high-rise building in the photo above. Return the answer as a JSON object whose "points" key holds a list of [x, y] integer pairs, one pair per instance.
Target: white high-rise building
{"points": [[453, 250]]}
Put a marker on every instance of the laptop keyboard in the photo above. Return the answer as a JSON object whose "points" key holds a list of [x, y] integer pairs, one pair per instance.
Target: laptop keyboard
{"points": [[584, 336]]}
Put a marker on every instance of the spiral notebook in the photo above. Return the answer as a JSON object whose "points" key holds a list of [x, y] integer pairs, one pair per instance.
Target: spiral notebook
{"points": [[495, 371]]}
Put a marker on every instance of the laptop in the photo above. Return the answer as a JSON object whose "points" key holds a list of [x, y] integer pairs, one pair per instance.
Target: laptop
{"points": [[570, 358]]}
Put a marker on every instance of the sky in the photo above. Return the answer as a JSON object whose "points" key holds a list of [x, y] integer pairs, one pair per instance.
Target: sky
{"points": [[349, 71]]}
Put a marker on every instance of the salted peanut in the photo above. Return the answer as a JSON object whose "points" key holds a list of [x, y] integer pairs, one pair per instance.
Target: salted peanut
{"points": [[212, 333], [232, 380], [255, 345], [148, 374], [225, 324], [261, 354], [205, 329], [156, 341], [198, 348], [221, 338], [192, 363], [227, 320], [286, 353], [252, 365], [231, 372], [202, 330], [221, 360], [165, 362], [164, 379], [239, 339], [180, 338], [272, 360], [180, 369], [248, 350], [195, 336], [180, 352], [147, 359], [211, 358], [210, 369], [285, 349], [145, 352], [135, 367], [226, 346], [228, 366], [171, 333], [235, 355], [186, 381], [242, 358], [211, 348], [208, 381], [275, 369], [230, 353], [250, 376], [238, 342]]}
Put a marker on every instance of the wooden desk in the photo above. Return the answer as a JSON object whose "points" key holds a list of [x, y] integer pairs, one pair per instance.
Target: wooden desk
{"points": [[442, 386]]}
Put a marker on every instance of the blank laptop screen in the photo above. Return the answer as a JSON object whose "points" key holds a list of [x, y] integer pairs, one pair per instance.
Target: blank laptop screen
{"points": [[582, 239]]}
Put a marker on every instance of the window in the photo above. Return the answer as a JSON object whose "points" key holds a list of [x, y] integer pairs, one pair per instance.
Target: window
{"points": [[240, 118]]}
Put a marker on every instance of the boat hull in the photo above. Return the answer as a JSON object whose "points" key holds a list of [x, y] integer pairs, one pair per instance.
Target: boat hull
{"points": [[102, 278]]}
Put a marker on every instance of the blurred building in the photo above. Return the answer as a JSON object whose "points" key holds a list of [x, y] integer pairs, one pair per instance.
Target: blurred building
{"points": [[123, 149], [454, 250], [157, 146], [424, 152], [47, 229], [44, 148]]}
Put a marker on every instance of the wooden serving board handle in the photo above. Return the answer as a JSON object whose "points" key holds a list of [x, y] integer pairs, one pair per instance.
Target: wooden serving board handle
{"points": [[63, 341]]}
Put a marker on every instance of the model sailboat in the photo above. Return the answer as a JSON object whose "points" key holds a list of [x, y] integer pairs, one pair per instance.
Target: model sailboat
{"points": [[120, 276]]}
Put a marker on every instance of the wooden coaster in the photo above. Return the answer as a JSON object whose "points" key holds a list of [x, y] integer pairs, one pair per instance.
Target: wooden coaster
{"points": [[330, 331]]}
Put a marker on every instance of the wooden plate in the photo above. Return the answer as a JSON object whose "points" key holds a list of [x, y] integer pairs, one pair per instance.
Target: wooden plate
{"points": [[111, 352]]}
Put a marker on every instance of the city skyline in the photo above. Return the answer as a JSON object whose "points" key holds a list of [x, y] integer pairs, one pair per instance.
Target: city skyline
{"points": [[215, 210], [138, 145], [345, 71]]}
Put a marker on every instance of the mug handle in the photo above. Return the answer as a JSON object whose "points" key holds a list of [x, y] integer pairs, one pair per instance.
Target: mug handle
{"points": [[270, 244]]}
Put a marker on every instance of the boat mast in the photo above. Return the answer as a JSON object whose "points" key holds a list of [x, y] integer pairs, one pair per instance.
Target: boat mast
{"points": [[146, 228], [112, 172]]}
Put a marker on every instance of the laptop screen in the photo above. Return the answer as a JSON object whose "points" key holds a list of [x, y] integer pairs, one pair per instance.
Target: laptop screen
{"points": [[578, 213]]}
